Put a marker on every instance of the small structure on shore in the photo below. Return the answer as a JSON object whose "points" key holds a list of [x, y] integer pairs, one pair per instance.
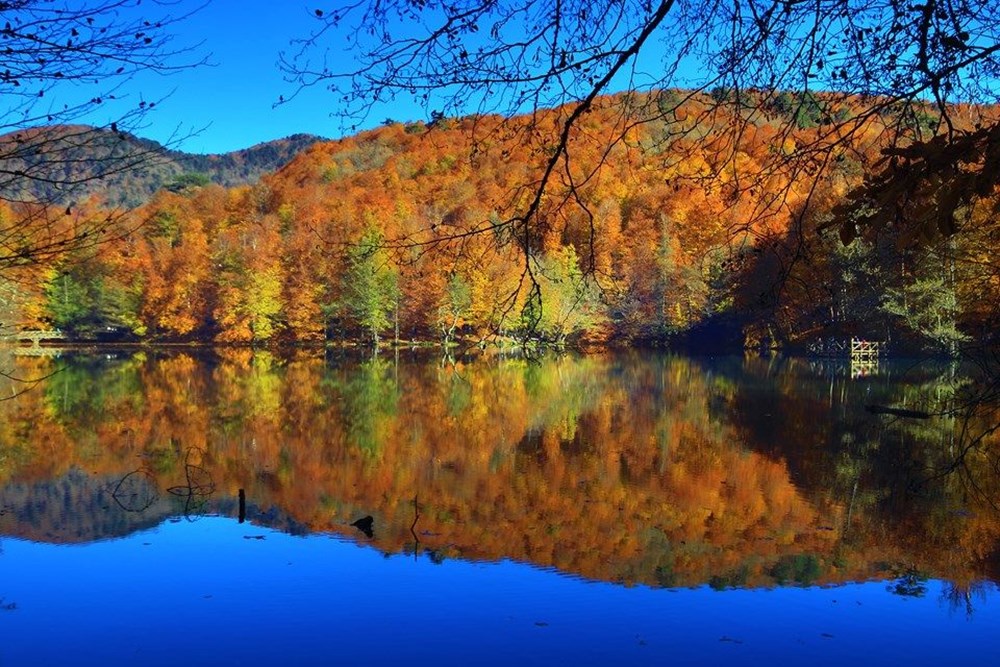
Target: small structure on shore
{"points": [[35, 337], [863, 354], [864, 357]]}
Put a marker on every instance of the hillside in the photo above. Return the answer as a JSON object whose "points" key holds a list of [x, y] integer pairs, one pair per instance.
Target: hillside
{"points": [[670, 236], [124, 170]]}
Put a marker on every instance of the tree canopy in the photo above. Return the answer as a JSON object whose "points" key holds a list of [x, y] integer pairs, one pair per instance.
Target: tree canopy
{"points": [[64, 62], [906, 66]]}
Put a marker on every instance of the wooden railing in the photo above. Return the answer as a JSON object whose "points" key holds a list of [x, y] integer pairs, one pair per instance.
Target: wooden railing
{"points": [[864, 357], [33, 337], [865, 350]]}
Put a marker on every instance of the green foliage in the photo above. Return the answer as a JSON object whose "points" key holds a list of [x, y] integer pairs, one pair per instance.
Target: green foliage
{"points": [[673, 258], [75, 401], [783, 103], [531, 314], [734, 579], [720, 94], [459, 396], [264, 385], [69, 301], [667, 101], [187, 181], [809, 111], [857, 286], [803, 569], [928, 306], [335, 172], [88, 305], [718, 277], [370, 398], [456, 302], [806, 110], [371, 283], [727, 95], [918, 120], [442, 166], [911, 584], [567, 299], [286, 215], [165, 224]]}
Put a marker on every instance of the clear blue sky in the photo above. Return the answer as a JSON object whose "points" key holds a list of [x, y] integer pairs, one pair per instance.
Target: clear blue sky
{"points": [[229, 104]]}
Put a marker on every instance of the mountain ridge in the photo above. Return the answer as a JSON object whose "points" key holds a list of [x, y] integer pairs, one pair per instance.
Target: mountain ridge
{"points": [[66, 163]]}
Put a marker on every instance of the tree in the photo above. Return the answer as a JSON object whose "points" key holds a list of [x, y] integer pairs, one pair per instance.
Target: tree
{"points": [[264, 305], [454, 305], [249, 277], [892, 69], [567, 297], [928, 305], [64, 62], [11, 299], [911, 80], [84, 300], [371, 284]]}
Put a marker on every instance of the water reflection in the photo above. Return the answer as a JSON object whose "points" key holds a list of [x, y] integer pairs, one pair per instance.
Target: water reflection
{"points": [[665, 471]]}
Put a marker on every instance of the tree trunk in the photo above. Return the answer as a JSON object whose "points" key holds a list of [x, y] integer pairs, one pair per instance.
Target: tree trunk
{"points": [[395, 324]]}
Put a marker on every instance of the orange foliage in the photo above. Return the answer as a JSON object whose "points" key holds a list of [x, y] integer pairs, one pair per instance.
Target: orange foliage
{"points": [[604, 467]]}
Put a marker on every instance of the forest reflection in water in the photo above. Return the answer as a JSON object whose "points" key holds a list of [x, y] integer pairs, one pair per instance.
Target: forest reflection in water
{"points": [[652, 469]]}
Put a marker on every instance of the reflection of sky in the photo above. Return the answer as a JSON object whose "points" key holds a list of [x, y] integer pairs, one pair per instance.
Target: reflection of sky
{"points": [[200, 593]]}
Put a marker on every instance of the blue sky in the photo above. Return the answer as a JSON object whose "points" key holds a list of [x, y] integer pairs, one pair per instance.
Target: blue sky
{"points": [[229, 105]]}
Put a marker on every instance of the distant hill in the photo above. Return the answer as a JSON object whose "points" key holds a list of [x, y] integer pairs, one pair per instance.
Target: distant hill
{"points": [[64, 163], [667, 237]]}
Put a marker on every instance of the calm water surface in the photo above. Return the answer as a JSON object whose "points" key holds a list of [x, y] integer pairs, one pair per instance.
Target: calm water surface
{"points": [[617, 509]]}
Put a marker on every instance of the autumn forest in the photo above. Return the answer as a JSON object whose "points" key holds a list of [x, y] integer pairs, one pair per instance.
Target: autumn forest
{"points": [[500, 332], [398, 234]]}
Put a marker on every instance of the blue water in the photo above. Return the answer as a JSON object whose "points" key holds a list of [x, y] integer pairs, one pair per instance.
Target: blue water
{"points": [[209, 592]]}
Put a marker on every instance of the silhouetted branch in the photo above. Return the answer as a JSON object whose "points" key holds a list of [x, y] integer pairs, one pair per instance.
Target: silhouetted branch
{"points": [[63, 63]]}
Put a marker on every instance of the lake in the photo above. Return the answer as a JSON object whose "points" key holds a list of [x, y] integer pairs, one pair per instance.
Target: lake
{"points": [[239, 507]]}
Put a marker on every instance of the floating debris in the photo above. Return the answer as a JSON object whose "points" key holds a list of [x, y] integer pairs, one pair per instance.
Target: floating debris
{"points": [[366, 525]]}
